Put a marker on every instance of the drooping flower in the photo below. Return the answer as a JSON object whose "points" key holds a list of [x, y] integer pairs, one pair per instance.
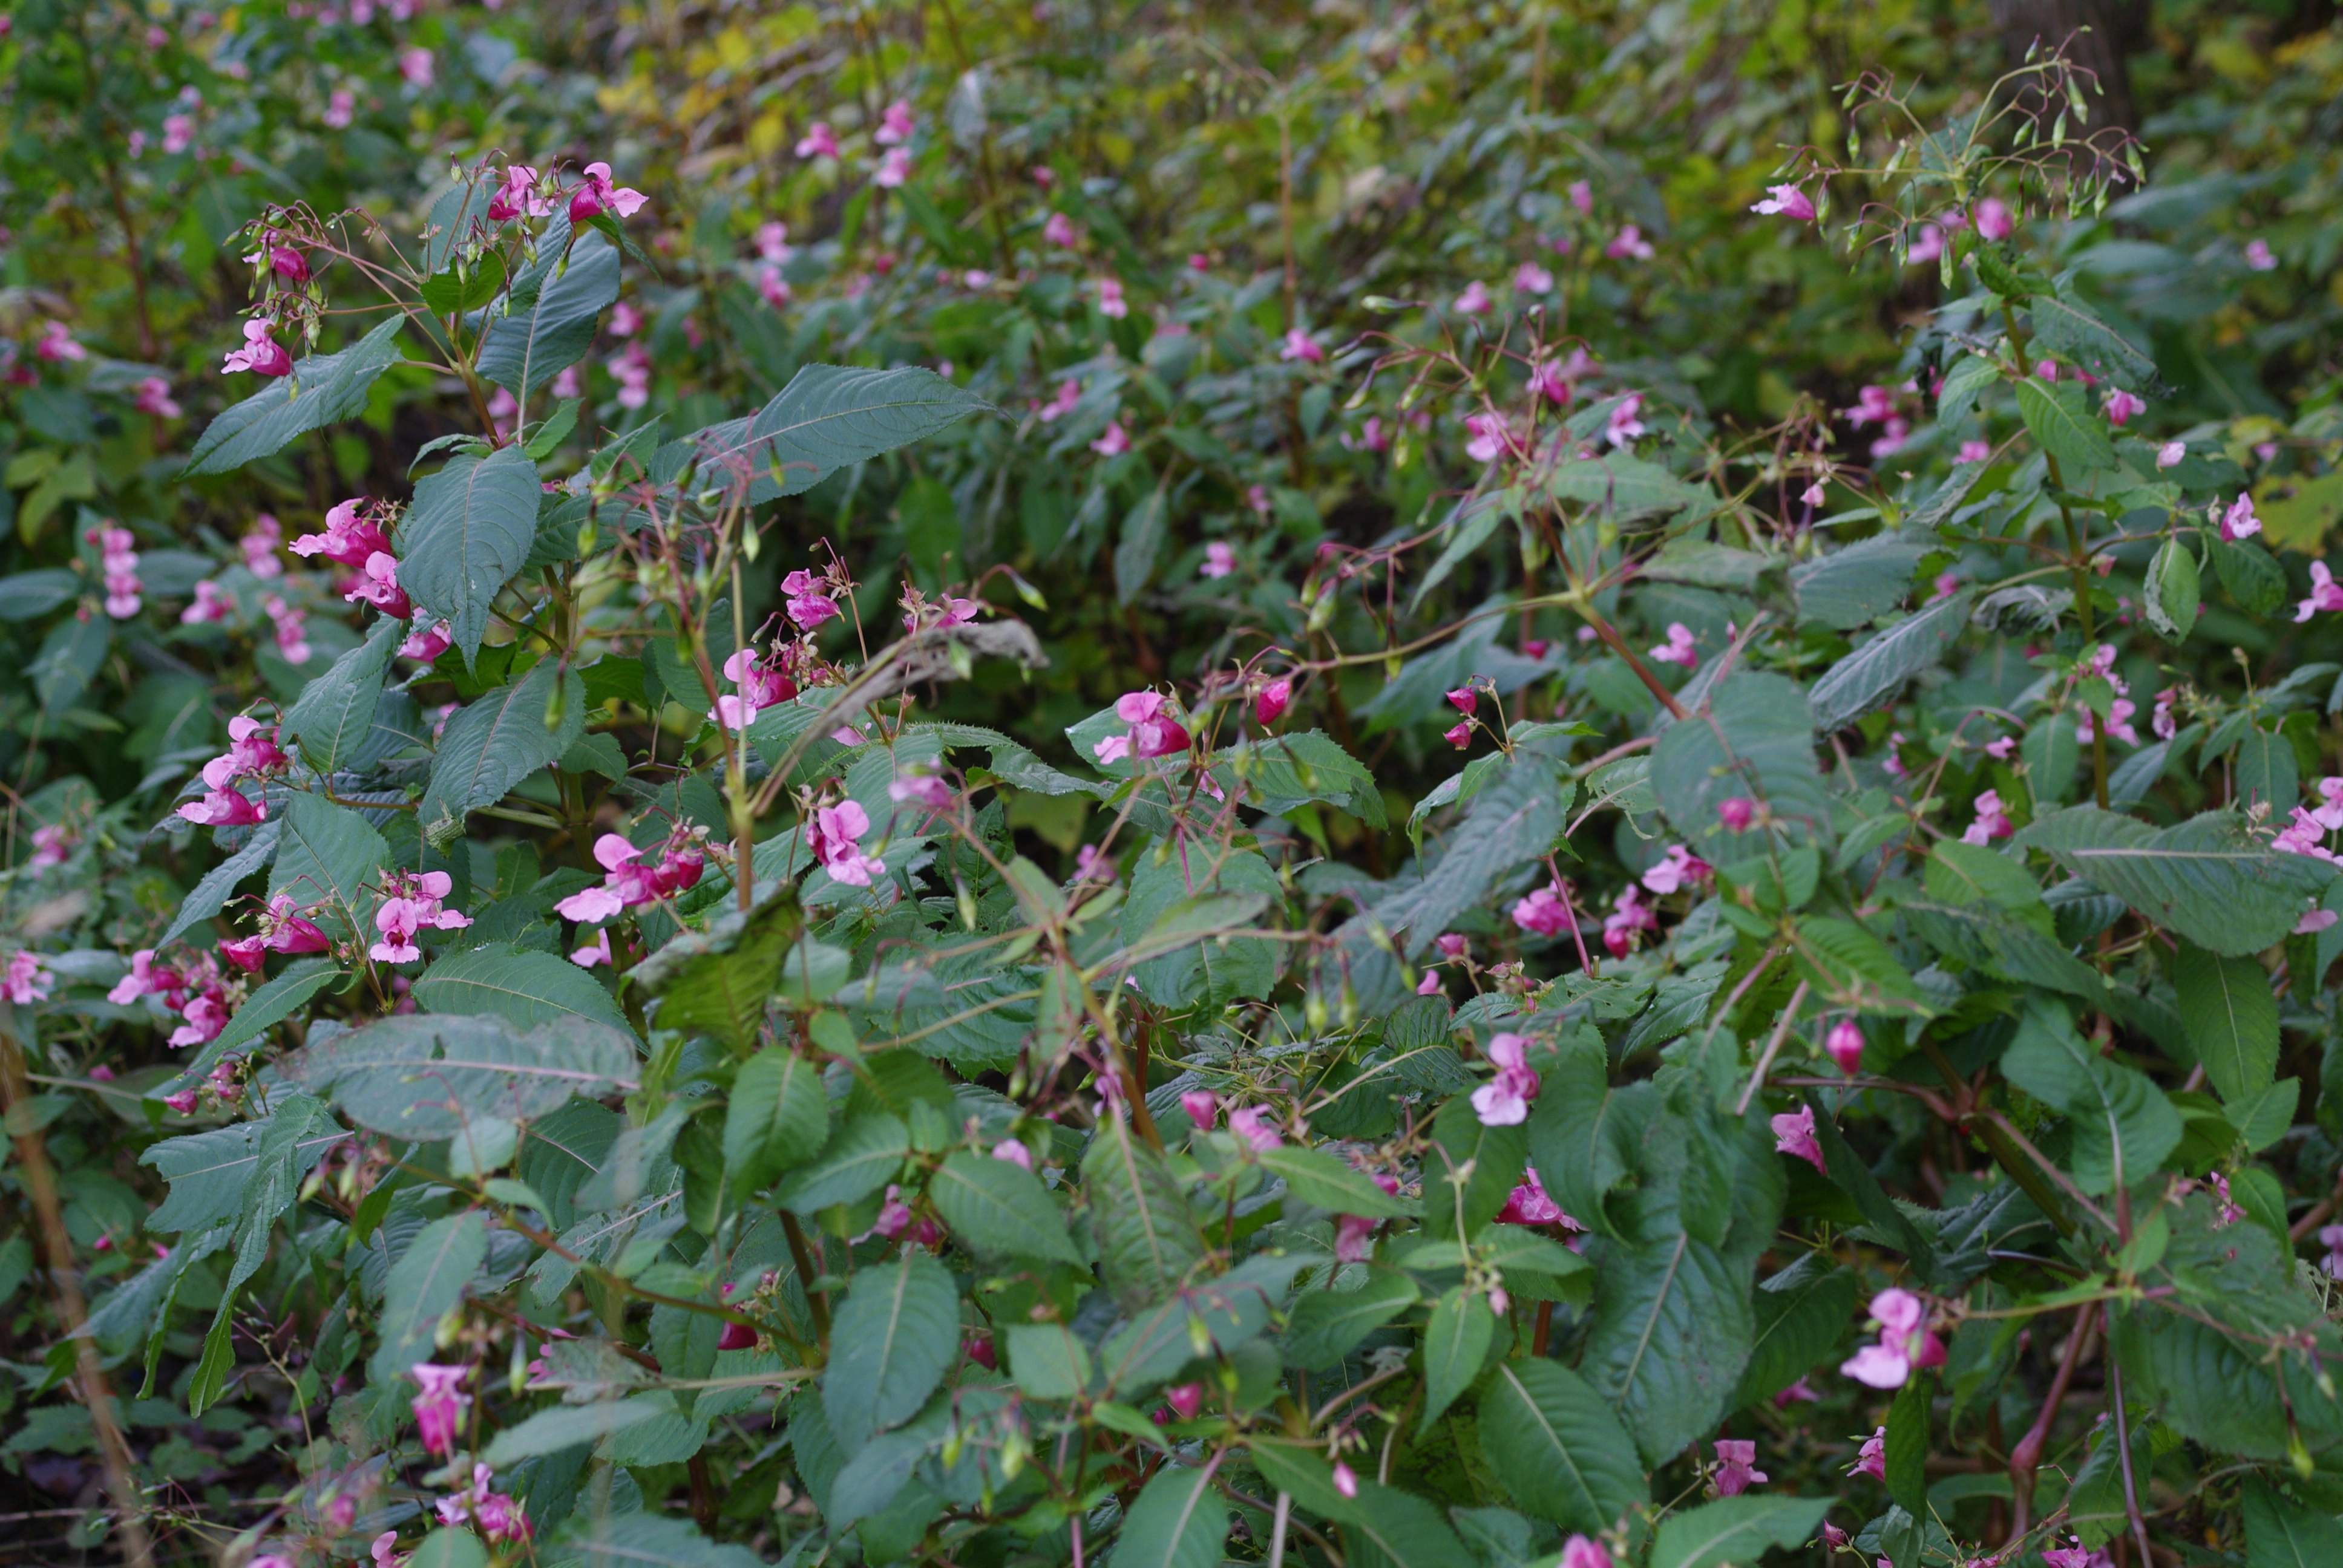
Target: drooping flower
{"points": [[1111, 302], [895, 126], [27, 979], [1059, 230], [154, 398], [1790, 202], [1531, 279], [1679, 649], [1904, 1344], [427, 643], [1254, 1125], [1994, 219], [1581, 1551], [597, 195], [518, 196], [1015, 1152], [2237, 521], [1202, 1108], [1736, 812], [1529, 1204], [1300, 344], [1114, 443], [1625, 422], [1629, 245], [348, 540], [1680, 869], [1185, 1399], [261, 354], [1793, 1134], [1992, 822], [439, 1405], [2258, 255], [51, 844], [1346, 1479], [416, 66], [927, 789], [893, 169], [224, 808], [415, 903], [378, 585], [818, 142], [628, 880], [810, 601], [1543, 912], [1475, 300], [1629, 914], [57, 343], [1155, 730], [1504, 1099], [1219, 560], [1844, 1042], [2122, 405], [596, 951], [2326, 593], [835, 837], [1872, 1459], [1492, 435], [1735, 1467]]}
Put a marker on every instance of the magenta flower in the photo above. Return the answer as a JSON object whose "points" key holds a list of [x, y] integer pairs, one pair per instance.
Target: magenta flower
{"points": [[347, 540], [1114, 443], [1460, 736], [417, 67], [1582, 195], [599, 195], [261, 354], [518, 196], [1015, 1152], [1185, 1399], [2237, 520], [1904, 1343], [835, 837], [1992, 822], [1252, 1124], [1531, 278], [1579, 1551], [1299, 345], [154, 398], [893, 169], [596, 951], [1629, 245], [1463, 700], [1626, 423], [1475, 300], [896, 126], [924, 788], [1790, 202], [224, 808], [1629, 914], [1679, 870], [1504, 1099], [1529, 1204], [1994, 219], [441, 1405], [1734, 1475], [56, 343], [818, 142], [378, 585], [1202, 1108], [2259, 257], [288, 263], [1111, 302], [1736, 812], [1679, 649], [1059, 230], [1346, 1479], [1793, 1134], [2122, 405], [1543, 913], [1155, 730], [1219, 560], [26, 982], [427, 644], [413, 904], [1871, 1460]]}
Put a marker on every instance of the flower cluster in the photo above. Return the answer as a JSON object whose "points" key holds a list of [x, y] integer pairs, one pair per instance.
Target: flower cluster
{"points": [[118, 564], [500, 1517], [628, 880], [763, 681], [284, 929], [261, 354], [1155, 729], [2102, 664], [252, 752], [196, 991], [413, 903], [813, 598], [1504, 1099], [834, 835], [27, 980]]}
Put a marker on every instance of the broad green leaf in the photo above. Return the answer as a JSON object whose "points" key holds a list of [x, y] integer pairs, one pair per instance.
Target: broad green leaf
{"points": [[1177, 1521], [891, 1340], [1846, 1170], [68, 660], [1856, 586], [2280, 1533], [567, 1426], [448, 1547], [427, 1280], [1455, 1342], [2231, 1016], [2059, 415], [522, 985], [1801, 1314], [269, 1005], [644, 1540], [1048, 1360], [1877, 670], [1847, 964], [2172, 591], [1577, 1136], [2121, 1121], [2208, 878], [459, 288], [469, 530], [1322, 1181], [1283, 771], [999, 1209], [1148, 1240], [862, 1158], [1470, 1169], [1965, 384], [1324, 1326], [424, 1076], [719, 981], [1138, 546], [1517, 818], [2066, 328], [830, 416], [1386, 1527], [1557, 1446], [28, 596], [1736, 1530], [2251, 573], [211, 1174], [491, 744], [333, 719], [1671, 1332], [1905, 1447], [1625, 486], [322, 389], [1753, 739], [1190, 892], [1468, 527], [327, 859], [566, 291], [776, 1117]]}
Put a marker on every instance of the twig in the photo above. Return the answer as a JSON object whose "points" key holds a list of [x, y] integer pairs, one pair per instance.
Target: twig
{"points": [[2026, 1459], [1773, 1047]]}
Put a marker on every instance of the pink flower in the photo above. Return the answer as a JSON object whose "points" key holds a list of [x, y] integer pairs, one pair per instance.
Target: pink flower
{"points": [[1844, 1043], [292, 642], [154, 398], [1463, 700], [1529, 1204], [1114, 443], [441, 1405], [2331, 1238], [2122, 405], [1429, 985], [1543, 912], [2303, 835], [1679, 648], [1299, 345], [1504, 1099], [1475, 300], [224, 808], [283, 930], [429, 645], [50, 846], [2326, 593], [1582, 195], [818, 142], [347, 540], [378, 585], [2329, 812], [2237, 521], [1992, 822], [1015, 1152], [1974, 451], [1531, 278], [26, 982], [341, 109], [289, 263], [261, 354], [1790, 202], [184, 1103], [1994, 220], [1679, 870], [1346, 1479], [895, 126], [1999, 750], [178, 134], [518, 196], [1871, 403], [1733, 1473], [414, 905], [415, 66], [2163, 722], [598, 196], [1202, 1110], [259, 546], [1155, 730], [597, 951], [893, 169], [1796, 1393], [1269, 703], [1219, 560], [925, 789], [1252, 1124], [1904, 1343], [1626, 423], [1629, 244], [810, 600], [2074, 1556], [1492, 435], [835, 837], [1111, 302], [2258, 255], [1793, 1134], [56, 343], [1551, 381], [1579, 1551], [773, 241], [1926, 245], [210, 604], [1872, 1459], [1736, 812], [1185, 1399], [1629, 915], [1059, 230]]}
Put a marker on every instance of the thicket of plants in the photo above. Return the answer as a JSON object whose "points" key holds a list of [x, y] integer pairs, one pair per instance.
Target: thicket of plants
{"points": [[1029, 784]]}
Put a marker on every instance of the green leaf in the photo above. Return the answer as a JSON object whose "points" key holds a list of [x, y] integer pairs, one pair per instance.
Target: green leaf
{"points": [[1384, 1527], [1557, 1447], [567, 1426], [1856, 586], [830, 416], [2231, 1016], [427, 1280], [69, 658], [1283, 771], [2059, 415], [1456, 1343], [2117, 1114], [1048, 1360], [469, 530], [450, 292], [491, 744], [1847, 964], [1177, 1521], [1001, 1210], [523, 985], [861, 1159], [2172, 591], [566, 292], [598, 1539], [1959, 873], [719, 981], [1468, 527], [326, 857], [2251, 573], [265, 1007], [1577, 1139], [1455, 1208], [2280, 1533], [1965, 385], [1324, 1326], [1148, 1240], [333, 719], [446, 1547], [2076, 335], [1905, 1448], [211, 1174], [28, 596], [1877, 670], [1753, 738], [1736, 1530], [1671, 1332], [776, 1117], [2208, 878], [891, 1340], [423, 1076], [1800, 1315], [322, 389], [1517, 818], [1138, 546], [1322, 1181], [1625, 486], [1200, 899]]}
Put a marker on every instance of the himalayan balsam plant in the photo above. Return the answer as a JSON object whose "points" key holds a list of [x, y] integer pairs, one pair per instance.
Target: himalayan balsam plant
{"points": [[619, 1049]]}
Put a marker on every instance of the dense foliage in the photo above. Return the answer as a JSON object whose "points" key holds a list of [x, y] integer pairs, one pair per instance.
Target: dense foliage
{"points": [[987, 784]]}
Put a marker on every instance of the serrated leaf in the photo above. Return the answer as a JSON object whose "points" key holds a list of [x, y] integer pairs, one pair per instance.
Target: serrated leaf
{"points": [[1324, 1326], [491, 744], [2251, 573], [327, 858], [2280, 1533], [1671, 1332], [828, 418], [999, 1209], [1736, 1530], [1322, 1181], [776, 1116], [1557, 1446], [68, 658], [427, 1280], [2231, 1016], [2076, 335], [641, 1541], [2121, 1121], [2208, 878], [1622, 485], [333, 719], [1517, 818], [1148, 1241], [891, 1340], [2059, 415], [2172, 591], [321, 390], [1854, 587], [566, 1426], [449, 293], [1048, 1360], [218, 885], [558, 301], [1753, 738], [1874, 672], [1455, 1342], [1177, 1521], [719, 982], [522, 985], [470, 529], [423, 1077], [1801, 1314], [861, 1158]]}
